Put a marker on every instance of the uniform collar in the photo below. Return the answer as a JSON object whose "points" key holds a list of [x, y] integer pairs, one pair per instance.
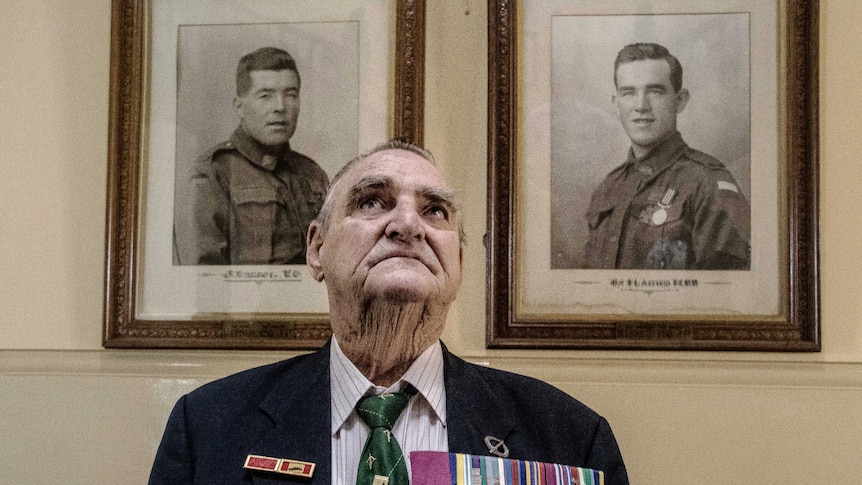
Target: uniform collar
{"points": [[660, 157], [258, 154]]}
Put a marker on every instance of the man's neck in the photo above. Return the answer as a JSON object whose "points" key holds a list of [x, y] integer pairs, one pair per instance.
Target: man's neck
{"points": [[243, 138], [388, 337], [643, 152]]}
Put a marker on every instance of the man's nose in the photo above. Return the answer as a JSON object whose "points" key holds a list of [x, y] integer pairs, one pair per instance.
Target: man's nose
{"points": [[405, 223], [642, 103], [279, 102]]}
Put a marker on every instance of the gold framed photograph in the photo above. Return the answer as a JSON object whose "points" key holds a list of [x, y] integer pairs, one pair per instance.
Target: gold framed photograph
{"points": [[652, 175], [210, 190]]}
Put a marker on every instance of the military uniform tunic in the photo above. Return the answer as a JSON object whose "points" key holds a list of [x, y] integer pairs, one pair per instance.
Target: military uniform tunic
{"points": [[251, 206], [678, 208]]}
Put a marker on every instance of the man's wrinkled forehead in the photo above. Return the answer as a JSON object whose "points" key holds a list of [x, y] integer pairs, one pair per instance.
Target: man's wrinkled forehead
{"points": [[397, 157], [392, 171], [393, 166]]}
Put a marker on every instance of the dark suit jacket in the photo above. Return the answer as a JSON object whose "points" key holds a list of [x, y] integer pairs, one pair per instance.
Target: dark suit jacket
{"points": [[282, 410]]}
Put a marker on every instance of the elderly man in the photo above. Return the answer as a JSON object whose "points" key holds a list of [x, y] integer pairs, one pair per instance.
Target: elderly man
{"points": [[668, 206], [252, 196], [388, 245]]}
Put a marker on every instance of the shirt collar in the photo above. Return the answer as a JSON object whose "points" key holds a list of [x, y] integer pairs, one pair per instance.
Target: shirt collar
{"points": [[349, 385], [257, 153]]}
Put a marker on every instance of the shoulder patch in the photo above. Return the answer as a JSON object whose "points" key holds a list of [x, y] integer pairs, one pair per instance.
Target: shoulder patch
{"points": [[724, 185]]}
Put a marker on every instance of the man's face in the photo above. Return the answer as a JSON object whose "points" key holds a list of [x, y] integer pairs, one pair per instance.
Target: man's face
{"points": [[647, 103], [394, 234], [269, 110]]}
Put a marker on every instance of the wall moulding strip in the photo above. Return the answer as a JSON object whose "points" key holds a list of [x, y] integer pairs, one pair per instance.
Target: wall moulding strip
{"points": [[558, 370]]}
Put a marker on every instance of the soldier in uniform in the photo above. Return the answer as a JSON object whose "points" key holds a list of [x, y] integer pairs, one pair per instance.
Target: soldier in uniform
{"points": [[668, 206], [254, 197]]}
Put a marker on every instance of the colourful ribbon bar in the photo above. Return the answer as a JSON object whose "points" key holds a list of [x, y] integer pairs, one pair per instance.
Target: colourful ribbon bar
{"points": [[265, 463], [284, 466], [441, 468], [297, 468]]}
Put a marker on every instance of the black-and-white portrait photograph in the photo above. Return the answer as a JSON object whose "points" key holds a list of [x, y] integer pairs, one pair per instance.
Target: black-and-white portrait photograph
{"points": [[651, 142], [648, 172], [234, 118], [266, 114]]}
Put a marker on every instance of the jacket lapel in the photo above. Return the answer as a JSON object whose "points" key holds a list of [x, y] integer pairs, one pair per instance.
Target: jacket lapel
{"points": [[474, 411], [299, 407], [301, 401]]}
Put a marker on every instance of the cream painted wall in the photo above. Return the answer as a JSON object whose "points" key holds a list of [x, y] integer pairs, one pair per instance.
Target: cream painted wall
{"points": [[679, 417]]}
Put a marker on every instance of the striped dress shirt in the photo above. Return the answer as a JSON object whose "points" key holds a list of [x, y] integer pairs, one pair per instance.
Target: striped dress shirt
{"points": [[421, 426]]}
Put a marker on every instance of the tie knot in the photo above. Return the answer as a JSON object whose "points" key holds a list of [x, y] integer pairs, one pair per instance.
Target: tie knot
{"points": [[382, 410]]}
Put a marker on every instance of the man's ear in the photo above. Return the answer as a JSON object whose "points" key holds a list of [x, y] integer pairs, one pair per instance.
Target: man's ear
{"points": [[314, 241], [682, 98], [237, 107]]}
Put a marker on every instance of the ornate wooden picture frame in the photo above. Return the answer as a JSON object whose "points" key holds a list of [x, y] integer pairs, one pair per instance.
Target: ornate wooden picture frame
{"points": [[536, 298], [293, 313]]}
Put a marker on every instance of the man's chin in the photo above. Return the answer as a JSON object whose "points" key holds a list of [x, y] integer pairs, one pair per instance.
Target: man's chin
{"points": [[400, 287], [401, 296], [275, 137]]}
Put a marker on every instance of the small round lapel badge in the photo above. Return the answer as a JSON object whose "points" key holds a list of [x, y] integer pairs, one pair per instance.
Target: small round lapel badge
{"points": [[497, 447]]}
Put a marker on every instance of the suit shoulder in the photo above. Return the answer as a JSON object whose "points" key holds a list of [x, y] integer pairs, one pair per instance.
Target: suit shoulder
{"points": [[528, 393], [248, 387]]}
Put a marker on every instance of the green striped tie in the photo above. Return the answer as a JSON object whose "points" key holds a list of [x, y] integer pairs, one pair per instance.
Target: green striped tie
{"points": [[382, 462]]}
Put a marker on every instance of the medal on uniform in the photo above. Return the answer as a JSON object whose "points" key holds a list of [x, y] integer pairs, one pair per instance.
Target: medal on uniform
{"points": [[659, 217]]}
